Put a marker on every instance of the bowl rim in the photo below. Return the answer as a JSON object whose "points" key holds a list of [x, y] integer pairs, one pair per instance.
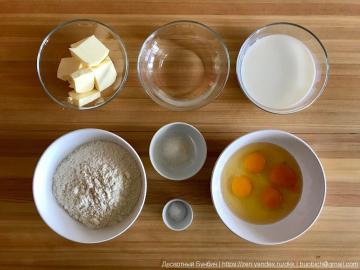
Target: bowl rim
{"points": [[127, 147], [322, 171], [151, 150], [276, 111], [68, 105], [193, 106]]}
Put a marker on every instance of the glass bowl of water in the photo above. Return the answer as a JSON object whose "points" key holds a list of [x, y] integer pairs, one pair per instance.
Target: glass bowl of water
{"points": [[282, 68], [183, 65]]}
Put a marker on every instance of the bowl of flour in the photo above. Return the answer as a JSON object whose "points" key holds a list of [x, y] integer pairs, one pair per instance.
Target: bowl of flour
{"points": [[89, 186]]}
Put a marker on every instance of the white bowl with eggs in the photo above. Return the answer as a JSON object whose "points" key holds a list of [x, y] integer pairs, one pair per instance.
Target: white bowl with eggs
{"points": [[308, 208], [49, 209]]}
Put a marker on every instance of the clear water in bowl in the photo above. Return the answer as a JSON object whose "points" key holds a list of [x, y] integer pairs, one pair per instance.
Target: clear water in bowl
{"points": [[180, 73], [183, 64]]}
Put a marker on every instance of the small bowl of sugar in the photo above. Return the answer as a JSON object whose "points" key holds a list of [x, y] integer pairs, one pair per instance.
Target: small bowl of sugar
{"points": [[178, 151]]}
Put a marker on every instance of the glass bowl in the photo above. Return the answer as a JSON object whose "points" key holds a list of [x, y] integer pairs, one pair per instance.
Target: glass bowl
{"points": [[183, 65], [56, 46], [316, 49]]}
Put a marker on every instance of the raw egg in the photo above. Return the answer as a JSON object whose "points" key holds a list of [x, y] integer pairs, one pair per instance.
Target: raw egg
{"points": [[271, 197], [255, 162], [283, 175], [241, 186], [261, 183]]}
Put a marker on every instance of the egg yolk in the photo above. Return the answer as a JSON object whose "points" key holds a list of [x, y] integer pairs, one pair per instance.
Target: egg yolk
{"points": [[271, 197], [254, 162], [241, 186], [283, 175]]}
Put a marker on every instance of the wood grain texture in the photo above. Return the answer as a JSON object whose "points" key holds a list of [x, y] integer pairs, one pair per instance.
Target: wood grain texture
{"points": [[30, 121]]}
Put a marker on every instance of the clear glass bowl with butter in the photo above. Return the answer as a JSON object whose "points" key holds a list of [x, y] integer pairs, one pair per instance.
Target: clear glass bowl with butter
{"points": [[56, 46]]}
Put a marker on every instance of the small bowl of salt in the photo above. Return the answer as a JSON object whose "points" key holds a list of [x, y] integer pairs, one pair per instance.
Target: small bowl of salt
{"points": [[178, 151], [177, 214]]}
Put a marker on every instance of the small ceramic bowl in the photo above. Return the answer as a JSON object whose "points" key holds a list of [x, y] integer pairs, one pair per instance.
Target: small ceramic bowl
{"points": [[177, 151], [177, 214], [306, 211], [53, 214]]}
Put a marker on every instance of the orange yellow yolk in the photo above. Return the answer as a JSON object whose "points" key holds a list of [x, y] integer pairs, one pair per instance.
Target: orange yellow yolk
{"points": [[271, 197], [241, 186], [283, 175], [254, 162]]}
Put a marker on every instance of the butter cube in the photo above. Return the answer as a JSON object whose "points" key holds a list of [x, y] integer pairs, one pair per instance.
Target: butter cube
{"points": [[83, 98], [74, 45], [105, 74], [90, 51], [82, 80], [67, 66]]}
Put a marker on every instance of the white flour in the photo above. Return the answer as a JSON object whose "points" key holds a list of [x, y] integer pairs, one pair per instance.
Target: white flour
{"points": [[98, 184]]}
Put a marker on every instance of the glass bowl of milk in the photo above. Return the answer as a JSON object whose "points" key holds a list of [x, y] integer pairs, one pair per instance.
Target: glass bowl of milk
{"points": [[282, 68]]}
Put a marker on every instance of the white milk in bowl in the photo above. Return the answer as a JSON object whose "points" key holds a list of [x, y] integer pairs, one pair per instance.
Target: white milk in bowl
{"points": [[278, 71]]}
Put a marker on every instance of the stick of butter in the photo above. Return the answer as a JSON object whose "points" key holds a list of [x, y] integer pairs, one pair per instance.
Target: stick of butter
{"points": [[67, 66], [90, 51], [83, 98], [74, 45], [82, 80], [105, 74]]}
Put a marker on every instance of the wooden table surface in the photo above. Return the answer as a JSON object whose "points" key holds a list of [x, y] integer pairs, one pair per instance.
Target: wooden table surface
{"points": [[30, 121]]}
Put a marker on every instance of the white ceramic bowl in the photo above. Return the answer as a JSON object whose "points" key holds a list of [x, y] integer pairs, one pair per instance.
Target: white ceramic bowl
{"points": [[52, 213], [177, 225], [308, 208], [183, 170]]}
